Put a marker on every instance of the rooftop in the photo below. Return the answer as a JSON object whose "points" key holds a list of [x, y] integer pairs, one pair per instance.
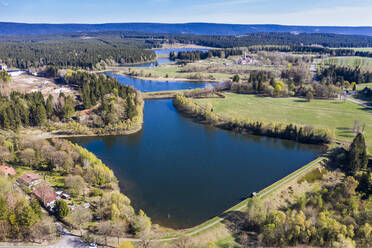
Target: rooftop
{"points": [[29, 178], [7, 170], [45, 193]]}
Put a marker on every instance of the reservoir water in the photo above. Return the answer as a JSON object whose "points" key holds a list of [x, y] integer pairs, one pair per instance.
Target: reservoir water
{"points": [[152, 86], [182, 173]]}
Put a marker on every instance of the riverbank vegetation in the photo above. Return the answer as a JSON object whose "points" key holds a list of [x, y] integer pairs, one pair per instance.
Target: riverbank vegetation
{"points": [[304, 134]]}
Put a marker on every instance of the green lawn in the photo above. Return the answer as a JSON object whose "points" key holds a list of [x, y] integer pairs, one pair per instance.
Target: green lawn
{"points": [[334, 114], [176, 72]]}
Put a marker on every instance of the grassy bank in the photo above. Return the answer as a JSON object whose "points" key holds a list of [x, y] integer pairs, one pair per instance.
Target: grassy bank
{"points": [[334, 114], [216, 224]]}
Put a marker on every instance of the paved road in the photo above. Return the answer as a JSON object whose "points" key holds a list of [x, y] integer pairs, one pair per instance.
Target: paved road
{"points": [[358, 102]]}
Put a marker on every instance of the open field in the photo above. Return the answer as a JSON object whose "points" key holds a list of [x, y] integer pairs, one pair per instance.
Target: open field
{"points": [[364, 63], [218, 69], [334, 114], [363, 49], [26, 83]]}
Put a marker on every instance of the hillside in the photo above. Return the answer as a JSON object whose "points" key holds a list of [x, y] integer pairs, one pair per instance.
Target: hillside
{"points": [[7, 28]]}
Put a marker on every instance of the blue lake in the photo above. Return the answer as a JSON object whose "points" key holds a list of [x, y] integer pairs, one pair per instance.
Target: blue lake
{"points": [[182, 173]]}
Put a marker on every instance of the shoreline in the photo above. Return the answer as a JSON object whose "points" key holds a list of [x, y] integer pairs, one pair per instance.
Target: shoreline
{"points": [[169, 79], [181, 45]]}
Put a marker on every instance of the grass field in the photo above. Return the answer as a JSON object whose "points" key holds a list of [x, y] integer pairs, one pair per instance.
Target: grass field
{"points": [[364, 63], [334, 114], [173, 71], [363, 49]]}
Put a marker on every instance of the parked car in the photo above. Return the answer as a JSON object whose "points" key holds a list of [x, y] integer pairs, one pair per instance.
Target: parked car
{"points": [[93, 245]]}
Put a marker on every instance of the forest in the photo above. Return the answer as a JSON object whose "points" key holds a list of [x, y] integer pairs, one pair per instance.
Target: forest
{"points": [[282, 39], [335, 74], [31, 109], [76, 53], [200, 55], [116, 103]]}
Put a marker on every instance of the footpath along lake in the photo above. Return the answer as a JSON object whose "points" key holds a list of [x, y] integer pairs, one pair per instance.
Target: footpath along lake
{"points": [[182, 173]]}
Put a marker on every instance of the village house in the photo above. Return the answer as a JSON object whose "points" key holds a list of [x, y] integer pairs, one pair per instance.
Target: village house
{"points": [[29, 180], [246, 60], [46, 195], [6, 170]]}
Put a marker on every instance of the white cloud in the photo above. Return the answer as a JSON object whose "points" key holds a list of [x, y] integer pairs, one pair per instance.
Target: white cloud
{"points": [[4, 4]]}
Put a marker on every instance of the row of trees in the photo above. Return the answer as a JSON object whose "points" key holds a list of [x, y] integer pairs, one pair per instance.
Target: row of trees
{"points": [[201, 55]]}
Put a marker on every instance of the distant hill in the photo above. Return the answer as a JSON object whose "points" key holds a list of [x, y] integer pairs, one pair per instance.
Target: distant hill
{"points": [[7, 28]]}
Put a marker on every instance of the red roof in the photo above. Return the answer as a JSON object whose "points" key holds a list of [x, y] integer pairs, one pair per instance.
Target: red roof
{"points": [[86, 111], [29, 178], [7, 170], [45, 194]]}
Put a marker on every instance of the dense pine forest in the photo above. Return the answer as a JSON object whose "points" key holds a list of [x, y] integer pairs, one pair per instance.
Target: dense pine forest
{"points": [[287, 39], [82, 53], [200, 55], [334, 75], [98, 49]]}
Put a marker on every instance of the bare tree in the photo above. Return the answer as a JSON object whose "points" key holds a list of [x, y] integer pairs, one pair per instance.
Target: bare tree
{"points": [[105, 229], [118, 229], [79, 216]]}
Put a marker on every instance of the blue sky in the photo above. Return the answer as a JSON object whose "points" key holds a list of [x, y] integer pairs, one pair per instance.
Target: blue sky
{"points": [[293, 12]]}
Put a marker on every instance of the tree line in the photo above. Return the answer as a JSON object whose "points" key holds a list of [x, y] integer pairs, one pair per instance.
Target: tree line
{"points": [[281, 39], [337, 74], [201, 55]]}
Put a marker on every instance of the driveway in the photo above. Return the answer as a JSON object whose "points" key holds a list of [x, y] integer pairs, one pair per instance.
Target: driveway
{"points": [[67, 240]]}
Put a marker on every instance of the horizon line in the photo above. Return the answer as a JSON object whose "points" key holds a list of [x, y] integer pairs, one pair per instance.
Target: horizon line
{"points": [[181, 23]]}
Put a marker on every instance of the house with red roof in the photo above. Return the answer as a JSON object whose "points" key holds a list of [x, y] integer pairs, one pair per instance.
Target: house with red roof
{"points": [[6, 170], [29, 180], [46, 195]]}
